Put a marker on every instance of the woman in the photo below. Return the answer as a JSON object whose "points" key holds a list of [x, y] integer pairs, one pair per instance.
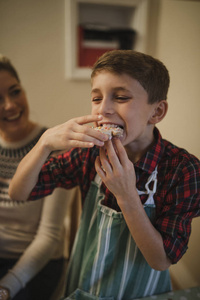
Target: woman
{"points": [[31, 234]]}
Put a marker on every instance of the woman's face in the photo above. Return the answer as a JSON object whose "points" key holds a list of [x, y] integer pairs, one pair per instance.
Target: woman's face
{"points": [[14, 110]]}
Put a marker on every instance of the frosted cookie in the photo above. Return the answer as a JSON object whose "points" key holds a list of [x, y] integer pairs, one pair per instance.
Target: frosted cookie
{"points": [[111, 130]]}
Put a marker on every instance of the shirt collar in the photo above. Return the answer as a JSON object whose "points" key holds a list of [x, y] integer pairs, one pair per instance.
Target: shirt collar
{"points": [[151, 159]]}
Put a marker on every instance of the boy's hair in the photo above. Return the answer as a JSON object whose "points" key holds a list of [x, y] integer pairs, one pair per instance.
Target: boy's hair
{"points": [[6, 65], [150, 72]]}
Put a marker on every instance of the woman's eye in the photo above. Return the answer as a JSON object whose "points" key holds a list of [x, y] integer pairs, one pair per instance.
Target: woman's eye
{"points": [[15, 92]]}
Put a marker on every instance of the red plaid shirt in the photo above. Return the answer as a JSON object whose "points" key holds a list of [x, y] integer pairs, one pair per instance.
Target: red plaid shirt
{"points": [[177, 197]]}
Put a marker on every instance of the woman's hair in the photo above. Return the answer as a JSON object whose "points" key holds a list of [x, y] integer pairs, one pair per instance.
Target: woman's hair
{"points": [[150, 72], [6, 65]]}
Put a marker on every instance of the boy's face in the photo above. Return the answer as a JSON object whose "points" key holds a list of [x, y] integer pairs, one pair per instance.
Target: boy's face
{"points": [[121, 100]]}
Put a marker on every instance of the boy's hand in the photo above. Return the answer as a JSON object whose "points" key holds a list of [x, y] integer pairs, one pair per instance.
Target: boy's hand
{"points": [[116, 170], [74, 133], [119, 177]]}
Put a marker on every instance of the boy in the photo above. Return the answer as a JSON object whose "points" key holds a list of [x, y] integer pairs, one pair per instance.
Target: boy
{"points": [[139, 192]]}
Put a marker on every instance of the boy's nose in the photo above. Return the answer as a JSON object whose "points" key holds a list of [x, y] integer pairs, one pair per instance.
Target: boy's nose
{"points": [[106, 107]]}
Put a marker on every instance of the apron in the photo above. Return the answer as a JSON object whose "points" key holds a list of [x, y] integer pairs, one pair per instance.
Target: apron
{"points": [[106, 263]]}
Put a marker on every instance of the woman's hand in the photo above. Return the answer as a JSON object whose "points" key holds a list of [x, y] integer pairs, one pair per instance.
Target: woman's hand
{"points": [[116, 170], [4, 293], [74, 133]]}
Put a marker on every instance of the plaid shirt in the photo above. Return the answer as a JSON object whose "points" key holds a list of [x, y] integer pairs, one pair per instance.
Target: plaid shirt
{"points": [[177, 197]]}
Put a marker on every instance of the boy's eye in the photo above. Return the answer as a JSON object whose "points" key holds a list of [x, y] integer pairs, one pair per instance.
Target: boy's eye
{"points": [[96, 99], [114, 98], [122, 98]]}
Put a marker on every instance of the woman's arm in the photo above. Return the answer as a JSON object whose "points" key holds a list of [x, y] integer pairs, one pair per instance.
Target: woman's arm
{"points": [[74, 133], [27, 172], [43, 247]]}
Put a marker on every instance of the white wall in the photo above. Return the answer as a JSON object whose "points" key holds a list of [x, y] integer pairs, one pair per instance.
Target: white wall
{"points": [[32, 34], [178, 45]]}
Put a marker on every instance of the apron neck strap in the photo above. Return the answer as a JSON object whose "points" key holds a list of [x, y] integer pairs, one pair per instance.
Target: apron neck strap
{"points": [[98, 180]]}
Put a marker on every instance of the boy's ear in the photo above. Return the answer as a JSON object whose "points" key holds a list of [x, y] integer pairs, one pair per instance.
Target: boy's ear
{"points": [[159, 112]]}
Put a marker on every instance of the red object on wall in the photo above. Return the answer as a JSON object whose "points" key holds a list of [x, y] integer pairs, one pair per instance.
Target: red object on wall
{"points": [[89, 51]]}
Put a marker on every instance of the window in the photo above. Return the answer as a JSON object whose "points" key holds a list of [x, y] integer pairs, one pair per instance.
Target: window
{"points": [[95, 26]]}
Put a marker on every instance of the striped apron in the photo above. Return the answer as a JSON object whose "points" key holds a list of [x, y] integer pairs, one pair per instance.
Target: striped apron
{"points": [[106, 263]]}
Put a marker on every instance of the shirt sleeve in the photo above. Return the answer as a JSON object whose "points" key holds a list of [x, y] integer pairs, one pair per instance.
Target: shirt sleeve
{"points": [[44, 245], [73, 168], [63, 171], [181, 205]]}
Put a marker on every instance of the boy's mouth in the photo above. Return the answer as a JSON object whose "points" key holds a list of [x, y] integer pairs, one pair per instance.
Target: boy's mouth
{"points": [[112, 130], [110, 125]]}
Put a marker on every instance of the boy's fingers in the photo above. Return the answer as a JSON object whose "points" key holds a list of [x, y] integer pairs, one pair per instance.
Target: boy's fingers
{"points": [[88, 119], [84, 133], [120, 151], [104, 160], [112, 154], [88, 131], [99, 168]]}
